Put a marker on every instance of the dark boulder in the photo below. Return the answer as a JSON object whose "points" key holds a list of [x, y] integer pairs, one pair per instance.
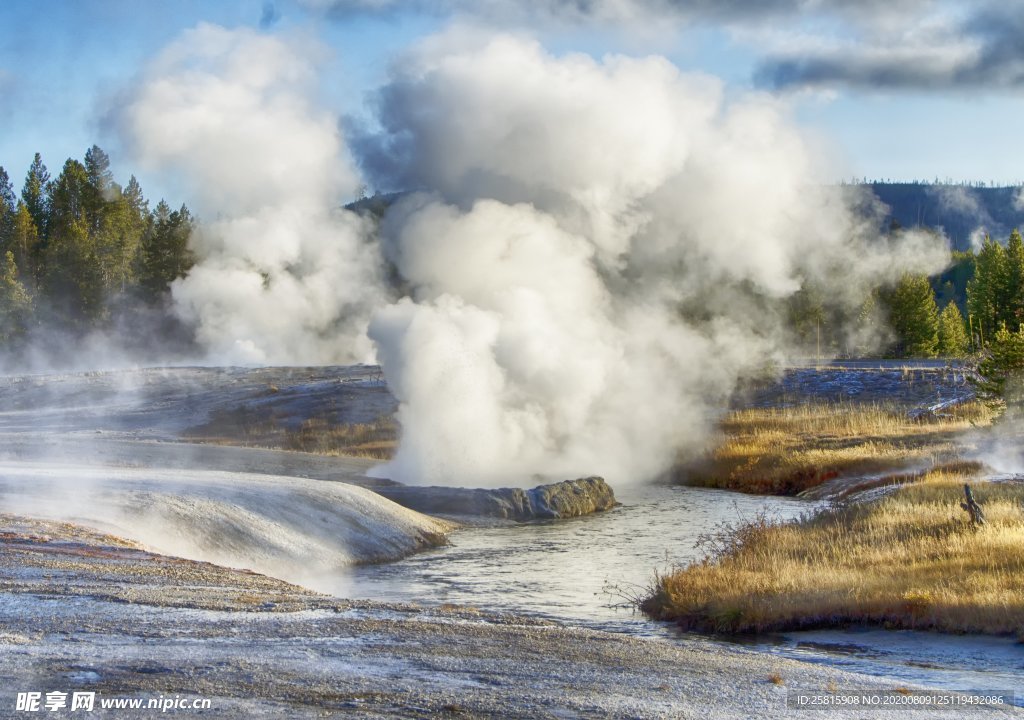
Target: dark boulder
{"points": [[569, 498]]}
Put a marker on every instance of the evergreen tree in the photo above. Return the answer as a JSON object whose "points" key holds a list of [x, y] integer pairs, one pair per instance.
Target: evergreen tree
{"points": [[166, 255], [869, 328], [34, 193], [958, 274], [69, 196], [984, 290], [953, 340], [73, 278], [118, 242], [8, 201], [135, 199], [23, 241], [914, 316], [8, 206], [72, 274], [15, 304], [1001, 371], [102, 189], [1010, 299], [97, 167]]}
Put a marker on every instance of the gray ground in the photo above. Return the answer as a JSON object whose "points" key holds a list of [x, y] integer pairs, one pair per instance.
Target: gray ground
{"points": [[84, 611]]}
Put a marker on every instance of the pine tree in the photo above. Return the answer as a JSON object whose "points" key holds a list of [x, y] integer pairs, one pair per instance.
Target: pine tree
{"points": [[118, 242], [868, 328], [35, 191], [72, 274], [953, 340], [97, 167], [1011, 287], [8, 201], [914, 316], [73, 278], [1001, 371], [15, 304], [166, 255], [8, 206], [24, 243], [80, 245], [69, 196], [101, 189], [133, 195], [984, 289]]}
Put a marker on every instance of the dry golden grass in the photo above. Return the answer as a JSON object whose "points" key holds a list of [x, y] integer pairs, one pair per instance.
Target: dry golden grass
{"points": [[247, 427], [376, 440], [908, 560], [784, 451]]}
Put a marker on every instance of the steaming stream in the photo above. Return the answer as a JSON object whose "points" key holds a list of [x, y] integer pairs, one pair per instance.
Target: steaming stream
{"points": [[561, 570]]}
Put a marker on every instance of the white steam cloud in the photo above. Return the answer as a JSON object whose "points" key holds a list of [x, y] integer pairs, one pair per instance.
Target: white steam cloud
{"points": [[283, 273], [596, 254], [598, 262]]}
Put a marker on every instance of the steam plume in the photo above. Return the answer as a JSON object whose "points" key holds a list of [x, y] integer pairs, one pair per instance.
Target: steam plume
{"points": [[596, 255], [283, 273], [599, 259]]}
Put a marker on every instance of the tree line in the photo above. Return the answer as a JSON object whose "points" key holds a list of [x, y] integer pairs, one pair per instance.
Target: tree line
{"points": [[988, 285], [963, 310], [79, 251]]}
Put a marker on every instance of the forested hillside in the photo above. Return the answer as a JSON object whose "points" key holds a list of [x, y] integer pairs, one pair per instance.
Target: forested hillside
{"points": [[960, 210]]}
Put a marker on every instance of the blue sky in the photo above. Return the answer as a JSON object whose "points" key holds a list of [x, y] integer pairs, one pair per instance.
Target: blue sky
{"points": [[905, 89]]}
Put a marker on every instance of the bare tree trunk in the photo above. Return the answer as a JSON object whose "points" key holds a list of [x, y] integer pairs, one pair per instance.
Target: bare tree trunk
{"points": [[973, 508]]}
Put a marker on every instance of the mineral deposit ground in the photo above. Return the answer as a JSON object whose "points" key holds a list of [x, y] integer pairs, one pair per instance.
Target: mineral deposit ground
{"points": [[84, 611]]}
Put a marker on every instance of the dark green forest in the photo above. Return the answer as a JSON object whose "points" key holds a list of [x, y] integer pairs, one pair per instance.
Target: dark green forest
{"points": [[81, 252], [959, 209]]}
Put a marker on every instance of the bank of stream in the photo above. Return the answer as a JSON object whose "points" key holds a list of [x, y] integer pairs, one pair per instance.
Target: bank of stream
{"points": [[576, 571]]}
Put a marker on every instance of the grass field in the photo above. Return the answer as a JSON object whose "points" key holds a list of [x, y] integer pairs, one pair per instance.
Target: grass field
{"points": [[783, 451], [911, 559]]}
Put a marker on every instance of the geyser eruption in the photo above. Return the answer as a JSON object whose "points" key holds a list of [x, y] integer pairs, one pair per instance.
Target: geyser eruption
{"points": [[284, 275], [595, 254], [600, 257]]}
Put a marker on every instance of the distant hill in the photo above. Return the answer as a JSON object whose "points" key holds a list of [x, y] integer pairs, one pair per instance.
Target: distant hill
{"points": [[959, 210]]}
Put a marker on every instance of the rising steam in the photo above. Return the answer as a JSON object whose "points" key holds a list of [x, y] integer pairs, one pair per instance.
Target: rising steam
{"points": [[284, 275], [596, 252]]}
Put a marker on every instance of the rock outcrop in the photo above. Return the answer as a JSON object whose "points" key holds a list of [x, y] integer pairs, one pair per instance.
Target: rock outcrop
{"points": [[569, 498]]}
